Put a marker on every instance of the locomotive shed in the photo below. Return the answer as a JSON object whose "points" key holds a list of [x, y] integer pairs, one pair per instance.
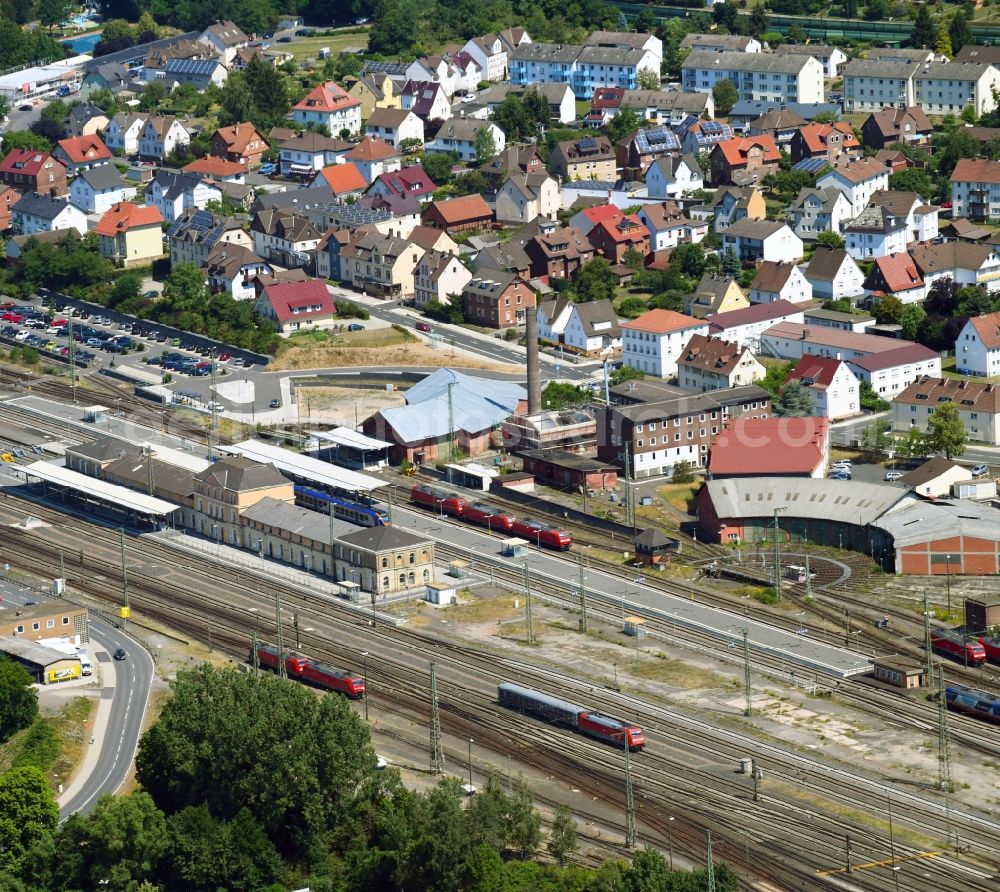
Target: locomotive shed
{"points": [[643, 600]]}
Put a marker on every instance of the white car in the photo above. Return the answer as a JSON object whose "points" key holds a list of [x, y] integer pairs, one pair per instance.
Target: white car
{"points": [[890, 476], [22, 335]]}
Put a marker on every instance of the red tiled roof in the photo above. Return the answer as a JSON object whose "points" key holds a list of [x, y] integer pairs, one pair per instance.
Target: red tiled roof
{"points": [[607, 97], [343, 178], [621, 232], [125, 215], [467, 207], [988, 329], [735, 150], [411, 180], [371, 149], [238, 136], [660, 321], [215, 167], [976, 170], [80, 149], [770, 446], [899, 272], [26, 161], [860, 170], [602, 212], [819, 369], [326, 97], [775, 309], [816, 135], [291, 300]]}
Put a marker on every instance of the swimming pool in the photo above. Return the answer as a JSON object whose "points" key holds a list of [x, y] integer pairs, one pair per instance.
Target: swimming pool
{"points": [[83, 44]]}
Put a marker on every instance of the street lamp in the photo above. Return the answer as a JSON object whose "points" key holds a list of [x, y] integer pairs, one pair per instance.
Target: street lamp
{"points": [[670, 841], [364, 676]]}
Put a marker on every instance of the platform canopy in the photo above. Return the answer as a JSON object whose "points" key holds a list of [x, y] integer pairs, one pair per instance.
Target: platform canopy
{"points": [[101, 490], [304, 467], [345, 436]]}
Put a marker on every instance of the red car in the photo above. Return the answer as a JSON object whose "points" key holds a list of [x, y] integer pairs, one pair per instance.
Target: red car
{"points": [[8, 305], [423, 326], [10, 316]]}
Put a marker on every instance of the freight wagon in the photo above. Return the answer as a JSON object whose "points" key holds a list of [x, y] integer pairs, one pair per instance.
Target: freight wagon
{"points": [[973, 702]]}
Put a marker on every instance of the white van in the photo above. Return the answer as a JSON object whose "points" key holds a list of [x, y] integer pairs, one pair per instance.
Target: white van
{"points": [[85, 667]]}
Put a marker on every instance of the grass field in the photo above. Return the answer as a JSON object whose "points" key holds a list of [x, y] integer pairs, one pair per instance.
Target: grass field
{"points": [[308, 47]]}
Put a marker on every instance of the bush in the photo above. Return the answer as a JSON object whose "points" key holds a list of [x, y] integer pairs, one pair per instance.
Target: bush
{"points": [[350, 310], [41, 747], [683, 472]]}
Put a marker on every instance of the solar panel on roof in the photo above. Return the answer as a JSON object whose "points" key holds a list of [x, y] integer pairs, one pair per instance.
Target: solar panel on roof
{"points": [[191, 66], [810, 165], [709, 127], [587, 143]]}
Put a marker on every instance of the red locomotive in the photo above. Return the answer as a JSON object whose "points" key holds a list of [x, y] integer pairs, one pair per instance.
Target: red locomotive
{"points": [[991, 646], [267, 657], [969, 651], [542, 534], [429, 497], [486, 516], [604, 727], [331, 679]]}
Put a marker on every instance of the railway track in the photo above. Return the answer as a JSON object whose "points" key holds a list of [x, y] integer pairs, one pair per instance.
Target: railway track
{"points": [[670, 780]]}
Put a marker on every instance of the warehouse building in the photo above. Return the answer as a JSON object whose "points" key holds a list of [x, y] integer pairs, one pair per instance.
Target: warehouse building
{"points": [[47, 666]]}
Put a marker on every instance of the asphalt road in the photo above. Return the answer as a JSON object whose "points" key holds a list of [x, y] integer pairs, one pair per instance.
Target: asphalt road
{"points": [[129, 696]]}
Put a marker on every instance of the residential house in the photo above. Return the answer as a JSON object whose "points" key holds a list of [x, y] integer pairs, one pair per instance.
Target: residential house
{"points": [[395, 126], [614, 63], [699, 136], [896, 274], [344, 181], [975, 189], [588, 217], [858, 180], [154, 64], [497, 299], [818, 210], [715, 294], [762, 240], [455, 72], [439, 276], [84, 119], [193, 235], [943, 88], [871, 85], [465, 214], [669, 107], [834, 388], [523, 198], [161, 135], [584, 159], [762, 76], [637, 150], [225, 38], [590, 328], [328, 105], [780, 280], [558, 253], [329, 250], [373, 157], [82, 152], [978, 406], [679, 427], [8, 198], [962, 262], [426, 99], [875, 232], [375, 90], [781, 124], [130, 234], [560, 98], [718, 42], [217, 169], [977, 347], [854, 321], [895, 159], [743, 161], [745, 327], [197, 73], [921, 219], [732, 204], [936, 477], [459, 135], [284, 236], [43, 213], [432, 240], [674, 176], [383, 265], [887, 126], [832, 58], [708, 363], [172, 193], [297, 306], [241, 143], [411, 180], [27, 170], [233, 269], [668, 227], [509, 257], [490, 55], [123, 132], [772, 447], [309, 152], [614, 239], [973, 53], [96, 190], [834, 275], [654, 342], [111, 76], [834, 143]]}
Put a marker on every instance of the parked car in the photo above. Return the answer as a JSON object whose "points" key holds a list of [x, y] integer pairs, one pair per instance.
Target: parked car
{"points": [[355, 326], [275, 404], [891, 476], [980, 470], [151, 293], [266, 169], [8, 331]]}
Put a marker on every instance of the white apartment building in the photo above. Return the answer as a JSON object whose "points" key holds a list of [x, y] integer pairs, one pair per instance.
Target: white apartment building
{"points": [[875, 232], [962, 262], [871, 85], [977, 348], [859, 180], [757, 76], [653, 342], [942, 88], [745, 327], [975, 189], [835, 389], [328, 105]]}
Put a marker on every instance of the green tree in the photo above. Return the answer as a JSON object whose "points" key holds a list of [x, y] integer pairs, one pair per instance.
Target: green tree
{"points": [[914, 444], [688, 259], [625, 122], [758, 20], [726, 14], [104, 100], [562, 840], [525, 824], [295, 761], [486, 145], [942, 44], [959, 32], [269, 89], [128, 842], [126, 293], [624, 373], [875, 438], [648, 873], [152, 96], [877, 10], [488, 812], [924, 33], [52, 12], [28, 815], [912, 180], [438, 857], [870, 400], [185, 288], [794, 401], [634, 259], [648, 79], [595, 281], [683, 472], [888, 310], [946, 431], [731, 266], [829, 239], [237, 102], [913, 315], [438, 167], [18, 699], [725, 95]]}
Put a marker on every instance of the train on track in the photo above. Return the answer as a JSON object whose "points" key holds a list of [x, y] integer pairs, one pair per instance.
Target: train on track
{"points": [[973, 702], [962, 648], [569, 715], [455, 505], [991, 646], [312, 672], [354, 510]]}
